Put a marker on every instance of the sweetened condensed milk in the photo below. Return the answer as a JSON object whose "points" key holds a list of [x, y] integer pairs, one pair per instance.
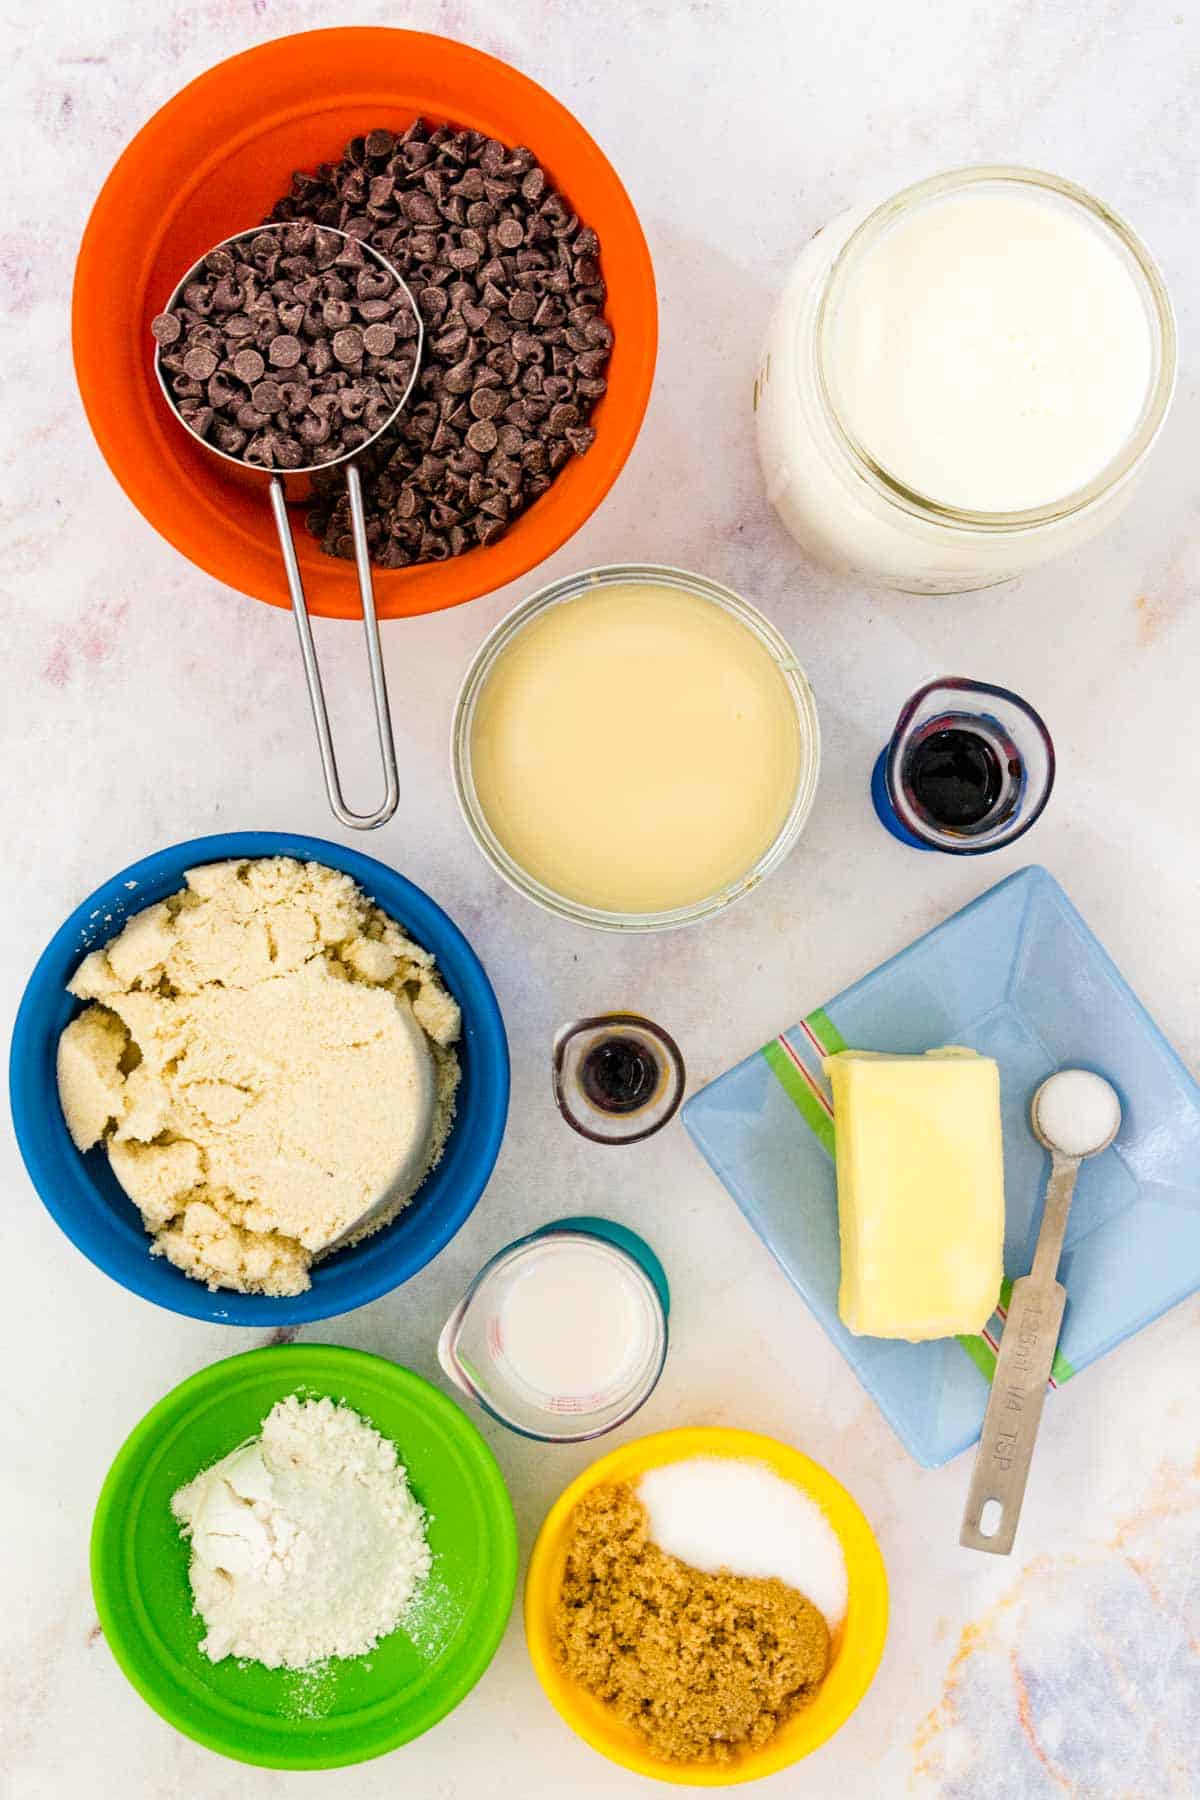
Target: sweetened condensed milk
{"points": [[636, 748]]}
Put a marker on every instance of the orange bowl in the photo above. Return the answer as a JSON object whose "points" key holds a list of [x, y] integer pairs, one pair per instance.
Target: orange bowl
{"points": [[216, 158]]}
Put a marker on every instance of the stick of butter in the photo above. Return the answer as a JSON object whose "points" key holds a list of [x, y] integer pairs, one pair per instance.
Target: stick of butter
{"points": [[920, 1177]]}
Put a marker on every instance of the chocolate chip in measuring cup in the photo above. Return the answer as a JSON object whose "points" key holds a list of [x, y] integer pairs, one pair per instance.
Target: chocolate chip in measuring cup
{"points": [[249, 366], [199, 364], [268, 384]]}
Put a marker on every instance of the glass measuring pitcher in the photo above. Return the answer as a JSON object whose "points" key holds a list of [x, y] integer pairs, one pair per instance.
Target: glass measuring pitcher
{"points": [[563, 1334]]}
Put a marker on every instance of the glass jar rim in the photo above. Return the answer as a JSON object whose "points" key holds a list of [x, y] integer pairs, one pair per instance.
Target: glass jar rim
{"points": [[1159, 312], [571, 587]]}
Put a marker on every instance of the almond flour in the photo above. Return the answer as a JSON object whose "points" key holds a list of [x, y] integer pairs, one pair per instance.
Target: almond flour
{"points": [[265, 1057]]}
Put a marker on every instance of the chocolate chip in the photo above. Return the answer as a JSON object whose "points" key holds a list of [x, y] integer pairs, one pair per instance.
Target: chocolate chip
{"points": [[485, 403], [227, 296], [199, 418], [420, 208], [379, 340], [200, 364], [217, 359], [284, 351], [482, 436], [249, 366], [267, 396], [373, 284], [458, 379], [228, 438], [348, 345]]}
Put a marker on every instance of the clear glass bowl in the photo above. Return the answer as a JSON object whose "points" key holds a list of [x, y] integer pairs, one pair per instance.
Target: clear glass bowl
{"points": [[570, 588]]}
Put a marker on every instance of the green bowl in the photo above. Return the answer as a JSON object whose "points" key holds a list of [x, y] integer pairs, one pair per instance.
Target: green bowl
{"points": [[340, 1712]]}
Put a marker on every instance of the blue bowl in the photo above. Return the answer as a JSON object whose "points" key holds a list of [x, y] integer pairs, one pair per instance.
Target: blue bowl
{"points": [[84, 1197]]}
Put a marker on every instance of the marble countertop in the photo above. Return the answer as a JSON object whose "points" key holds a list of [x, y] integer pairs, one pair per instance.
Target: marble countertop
{"points": [[144, 704]]}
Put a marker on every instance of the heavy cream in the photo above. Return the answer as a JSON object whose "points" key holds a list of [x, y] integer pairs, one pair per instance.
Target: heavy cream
{"points": [[991, 343], [991, 350], [574, 1323]]}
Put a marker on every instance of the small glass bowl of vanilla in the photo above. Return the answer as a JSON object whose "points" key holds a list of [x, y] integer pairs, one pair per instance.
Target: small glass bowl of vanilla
{"points": [[635, 747]]}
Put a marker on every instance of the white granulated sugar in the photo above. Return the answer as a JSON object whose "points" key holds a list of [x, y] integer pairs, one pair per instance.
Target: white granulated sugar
{"points": [[716, 1512], [306, 1541]]}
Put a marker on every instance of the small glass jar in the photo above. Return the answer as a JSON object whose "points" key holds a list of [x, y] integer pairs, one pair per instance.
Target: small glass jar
{"points": [[618, 1077], [1021, 751], [571, 588], [854, 515]]}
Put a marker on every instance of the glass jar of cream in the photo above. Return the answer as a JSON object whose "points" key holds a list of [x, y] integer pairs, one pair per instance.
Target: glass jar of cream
{"points": [[963, 382]]}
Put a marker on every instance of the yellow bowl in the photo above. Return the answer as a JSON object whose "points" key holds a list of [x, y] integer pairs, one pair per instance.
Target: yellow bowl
{"points": [[857, 1643]]}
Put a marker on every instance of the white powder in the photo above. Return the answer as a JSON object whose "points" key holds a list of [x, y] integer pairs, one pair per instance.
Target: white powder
{"points": [[1078, 1111], [717, 1512], [306, 1541]]}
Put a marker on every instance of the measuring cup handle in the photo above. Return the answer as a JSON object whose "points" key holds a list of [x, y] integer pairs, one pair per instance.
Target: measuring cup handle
{"points": [[312, 671]]}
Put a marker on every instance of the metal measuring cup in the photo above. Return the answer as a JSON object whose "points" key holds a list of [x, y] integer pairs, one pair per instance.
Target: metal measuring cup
{"points": [[296, 484]]}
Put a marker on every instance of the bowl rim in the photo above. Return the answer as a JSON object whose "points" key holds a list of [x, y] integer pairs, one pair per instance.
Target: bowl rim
{"points": [[332, 584], [868, 1587], [319, 1363], [32, 1116]]}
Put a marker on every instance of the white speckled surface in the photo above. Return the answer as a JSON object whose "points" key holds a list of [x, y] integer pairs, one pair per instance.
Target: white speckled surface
{"points": [[143, 705]]}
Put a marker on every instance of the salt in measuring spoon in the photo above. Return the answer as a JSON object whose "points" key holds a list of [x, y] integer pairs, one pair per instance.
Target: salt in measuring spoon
{"points": [[1084, 1113]]}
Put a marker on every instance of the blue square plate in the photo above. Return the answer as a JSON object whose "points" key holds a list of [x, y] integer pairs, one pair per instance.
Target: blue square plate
{"points": [[1018, 976]]}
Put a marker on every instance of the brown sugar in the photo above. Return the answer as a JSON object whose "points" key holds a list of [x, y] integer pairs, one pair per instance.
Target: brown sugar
{"points": [[704, 1666]]}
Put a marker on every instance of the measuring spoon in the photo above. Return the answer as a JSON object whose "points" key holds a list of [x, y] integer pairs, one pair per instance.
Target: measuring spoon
{"points": [[1035, 1311]]}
